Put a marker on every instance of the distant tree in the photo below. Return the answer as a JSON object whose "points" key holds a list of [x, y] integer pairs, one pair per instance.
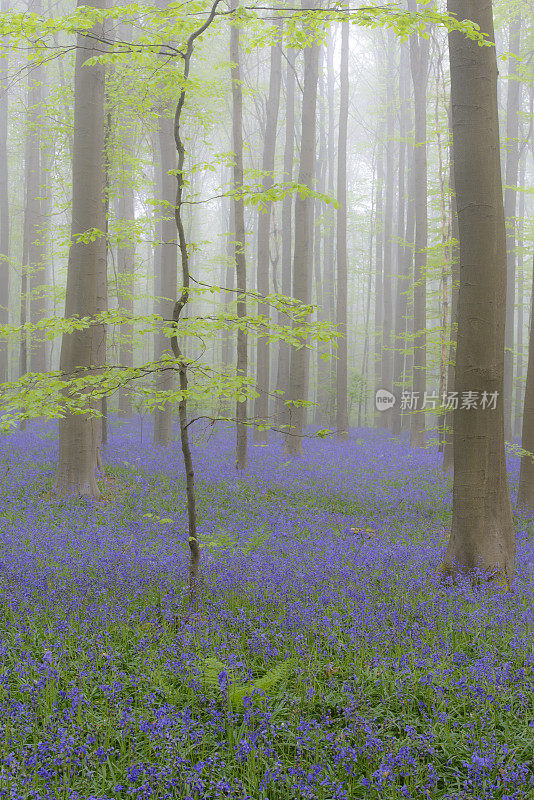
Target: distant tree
{"points": [[301, 277], [342, 417], [239, 239], [419, 47]]}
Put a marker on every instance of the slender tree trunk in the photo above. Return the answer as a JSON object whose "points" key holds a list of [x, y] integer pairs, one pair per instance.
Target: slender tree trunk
{"points": [[126, 249], [4, 212], [301, 277], [387, 292], [329, 289], [482, 535], [379, 274], [525, 494], [520, 298], [419, 67], [365, 357], [510, 200], [261, 405], [319, 249], [34, 222], [228, 283], [78, 433], [342, 418], [167, 271], [240, 241], [282, 382], [403, 275]]}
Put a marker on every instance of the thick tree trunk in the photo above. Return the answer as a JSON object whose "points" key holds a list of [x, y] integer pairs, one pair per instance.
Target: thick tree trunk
{"points": [[525, 494], [78, 433], [342, 417], [167, 271], [240, 241], [448, 450], [482, 535], [510, 201], [419, 67], [301, 277], [282, 381], [261, 405]]}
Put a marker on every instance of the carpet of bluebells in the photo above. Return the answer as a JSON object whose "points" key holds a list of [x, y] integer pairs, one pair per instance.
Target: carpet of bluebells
{"points": [[395, 684]]}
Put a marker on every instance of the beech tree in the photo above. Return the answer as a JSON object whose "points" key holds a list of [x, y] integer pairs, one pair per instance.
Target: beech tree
{"points": [[261, 405], [84, 350], [301, 276], [341, 371], [482, 535]]}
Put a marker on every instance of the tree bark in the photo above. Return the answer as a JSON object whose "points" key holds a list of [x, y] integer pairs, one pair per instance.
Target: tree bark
{"points": [[239, 241], [261, 405], [85, 349], [448, 450], [510, 201], [342, 417], [482, 535], [301, 277]]}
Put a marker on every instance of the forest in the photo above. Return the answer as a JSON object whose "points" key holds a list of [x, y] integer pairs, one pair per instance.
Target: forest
{"points": [[266, 400]]}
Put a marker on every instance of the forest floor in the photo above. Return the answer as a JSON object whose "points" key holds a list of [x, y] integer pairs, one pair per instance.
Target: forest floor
{"points": [[326, 659]]}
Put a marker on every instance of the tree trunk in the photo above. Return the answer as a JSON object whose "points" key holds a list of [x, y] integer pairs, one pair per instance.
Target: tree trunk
{"points": [[78, 433], [4, 213], [282, 381], [419, 67], [239, 240], [510, 200], [387, 293], [261, 405], [520, 298], [342, 417], [167, 271], [329, 289], [126, 248], [403, 274], [379, 276], [301, 277], [34, 235], [482, 533], [525, 494], [448, 450]]}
